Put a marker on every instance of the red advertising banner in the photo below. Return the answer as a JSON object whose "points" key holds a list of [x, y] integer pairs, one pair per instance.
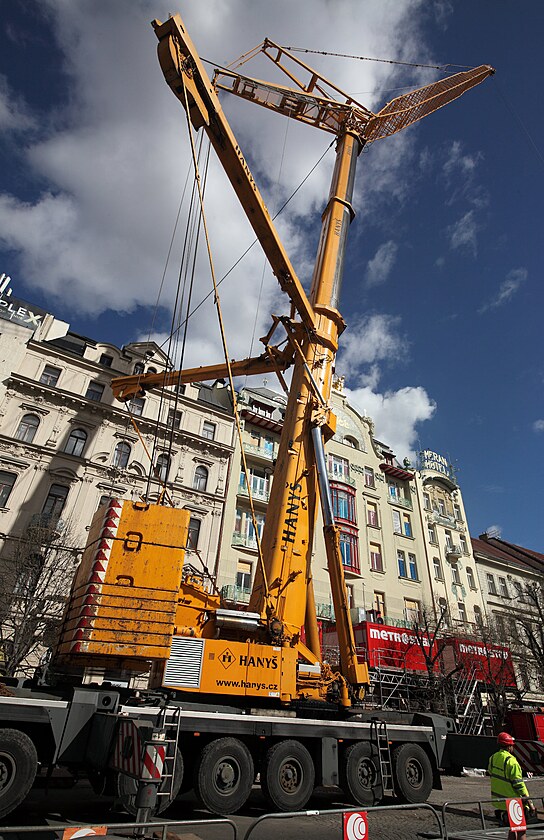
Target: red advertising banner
{"points": [[381, 645], [489, 663]]}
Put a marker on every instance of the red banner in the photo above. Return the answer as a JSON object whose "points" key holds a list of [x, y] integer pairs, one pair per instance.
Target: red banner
{"points": [[383, 646], [488, 663]]}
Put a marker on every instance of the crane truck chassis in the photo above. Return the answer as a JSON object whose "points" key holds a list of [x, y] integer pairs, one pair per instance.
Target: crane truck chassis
{"points": [[293, 719]]}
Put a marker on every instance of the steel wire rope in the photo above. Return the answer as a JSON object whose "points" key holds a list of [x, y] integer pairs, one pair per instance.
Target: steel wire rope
{"points": [[444, 67], [248, 249], [224, 339], [520, 122]]}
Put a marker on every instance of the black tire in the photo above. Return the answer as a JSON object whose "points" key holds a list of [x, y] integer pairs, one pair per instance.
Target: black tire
{"points": [[127, 788], [288, 776], [360, 776], [18, 768], [223, 775], [413, 773]]}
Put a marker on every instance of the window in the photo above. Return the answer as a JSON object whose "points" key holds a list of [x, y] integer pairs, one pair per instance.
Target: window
{"points": [[193, 534], [50, 376], [455, 576], [163, 466], [208, 430], [106, 360], [444, 612], [339, 467], [437, 565], [409, 570], [121, 455], [470, 578], [54, 504], [26, 431], [104, 500], [173, 420], [376, 559], [243, 576], [427, 501], [500, 625], [431, 530], [491, 588], [441, 507], [478, 617], [412, 610], [401, 560], [7, 480], [412, 566], [503, 588], [95, 391], [343, 504], [406, 525], [136, 406], [139, 368], [76, 442], [349, 548], [372, 514], [349, 441], [457, 513], [350, 592], [462, 611], [369, 477], [200, 480], [379, 604], [151, 370], [449, 540], [396, 522], [464, 545]]}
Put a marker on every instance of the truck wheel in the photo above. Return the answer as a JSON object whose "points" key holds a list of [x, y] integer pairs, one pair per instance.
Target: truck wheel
{"points": [[223, 775], [413, 773], [18, 768], [288, 776], [127, 788], [360, 776]]}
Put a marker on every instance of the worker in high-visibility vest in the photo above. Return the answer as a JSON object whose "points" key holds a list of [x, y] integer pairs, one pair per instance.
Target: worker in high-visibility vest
{"points": [[507, 782]]}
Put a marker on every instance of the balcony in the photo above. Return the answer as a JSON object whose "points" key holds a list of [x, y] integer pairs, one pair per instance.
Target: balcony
{"points": [[244, 540], [235, 594], [260, 452], [256, 494], [402, 501], [325, 611], [444, 519], [342, 479], [454, 551]]}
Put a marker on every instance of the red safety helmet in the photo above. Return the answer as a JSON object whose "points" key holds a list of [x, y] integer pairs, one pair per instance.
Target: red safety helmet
{"points": [[505, 739]]}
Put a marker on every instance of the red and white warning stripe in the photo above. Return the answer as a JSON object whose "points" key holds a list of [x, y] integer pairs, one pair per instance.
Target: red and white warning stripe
{"points": [[153, 762], [128, 749], [530, 755], [110, 524]]}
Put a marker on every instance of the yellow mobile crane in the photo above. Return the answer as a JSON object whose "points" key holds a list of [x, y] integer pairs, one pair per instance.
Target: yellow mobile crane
{"points": [[192, 640]]}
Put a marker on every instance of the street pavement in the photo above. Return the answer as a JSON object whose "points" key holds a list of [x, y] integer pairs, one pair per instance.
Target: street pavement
{"points": [[79, 805]]}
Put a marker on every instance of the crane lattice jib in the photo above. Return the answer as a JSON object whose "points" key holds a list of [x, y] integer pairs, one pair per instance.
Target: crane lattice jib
{"points": [[332, 116]]}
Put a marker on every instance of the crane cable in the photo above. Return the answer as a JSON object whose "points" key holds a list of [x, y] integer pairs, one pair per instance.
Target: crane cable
{"points": [[225, 348], [445, 68]]}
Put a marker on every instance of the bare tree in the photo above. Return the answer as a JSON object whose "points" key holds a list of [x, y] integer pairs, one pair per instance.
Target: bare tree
{"points": [[36, 572], [529, 626], [428, 629]]}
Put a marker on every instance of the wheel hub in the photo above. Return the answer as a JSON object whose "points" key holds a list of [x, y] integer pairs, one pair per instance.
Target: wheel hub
{"points": [[227, 776], [367, 774], [290, 777], [7, 772], [414, 773]]}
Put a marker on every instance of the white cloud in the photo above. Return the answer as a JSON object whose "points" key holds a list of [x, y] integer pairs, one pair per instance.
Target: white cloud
{"points": [[396, 415], [370, 339], [380, 266], [538, 426], [507, 289], [14, 114], [463, 233]]}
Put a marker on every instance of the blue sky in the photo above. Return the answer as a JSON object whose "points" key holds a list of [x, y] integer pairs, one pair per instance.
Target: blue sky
{"points": [[442, 291]]}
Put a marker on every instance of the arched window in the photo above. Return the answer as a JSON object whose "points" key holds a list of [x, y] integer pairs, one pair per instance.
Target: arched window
{"points": [[76, 442], [27, 428], [200, 481], [163, 466], [121, 454], [138, 368], [350, 441], [478, 617], [151, 370]]}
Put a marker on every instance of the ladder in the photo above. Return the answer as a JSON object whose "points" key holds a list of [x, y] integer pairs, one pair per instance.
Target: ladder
{"points": [[171, 727], [380, 737]]}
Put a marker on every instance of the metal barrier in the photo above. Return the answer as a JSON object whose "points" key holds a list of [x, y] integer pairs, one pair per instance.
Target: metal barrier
{"points": [[165, 825], [480, 804], [369, 810]]}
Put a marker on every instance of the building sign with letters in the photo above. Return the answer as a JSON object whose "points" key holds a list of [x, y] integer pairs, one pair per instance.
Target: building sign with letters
{"points": [[18, 311], [429, 460]]}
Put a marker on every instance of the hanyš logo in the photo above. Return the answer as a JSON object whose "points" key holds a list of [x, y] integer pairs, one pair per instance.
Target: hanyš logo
{"points": [[226, 658]]}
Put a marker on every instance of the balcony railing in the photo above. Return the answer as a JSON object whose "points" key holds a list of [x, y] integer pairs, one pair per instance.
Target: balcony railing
{"points": [[453, 550], [402, 501], [258, 495], [444, 519], [244, 539], [345, 479], [235, 594], [325, 611], [260, 451]]}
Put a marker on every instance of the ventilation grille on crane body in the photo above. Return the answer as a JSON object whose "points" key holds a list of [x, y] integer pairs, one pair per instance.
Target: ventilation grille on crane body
{"points": [[184, 666]]}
